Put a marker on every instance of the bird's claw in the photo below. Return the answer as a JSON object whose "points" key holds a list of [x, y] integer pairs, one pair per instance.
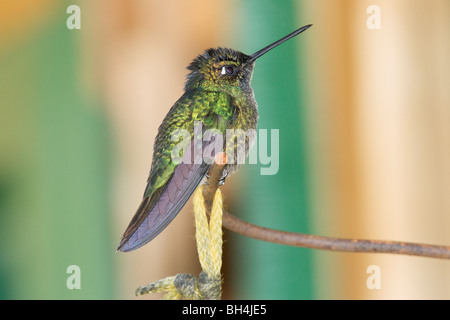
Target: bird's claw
{"points": [[222, 179]]}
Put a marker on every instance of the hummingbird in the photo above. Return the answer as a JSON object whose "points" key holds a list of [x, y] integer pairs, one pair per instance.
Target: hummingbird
{"points": [[218, 96]]}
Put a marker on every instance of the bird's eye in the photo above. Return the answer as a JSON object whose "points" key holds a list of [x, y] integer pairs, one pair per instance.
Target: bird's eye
{"points": [[228, 70]]}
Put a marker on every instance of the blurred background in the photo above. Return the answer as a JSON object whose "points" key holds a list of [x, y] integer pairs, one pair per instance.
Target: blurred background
{"points": [[361, 99]]}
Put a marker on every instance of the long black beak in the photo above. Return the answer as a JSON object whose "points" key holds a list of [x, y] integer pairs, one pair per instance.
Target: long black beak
{"points": [[259, 53]]}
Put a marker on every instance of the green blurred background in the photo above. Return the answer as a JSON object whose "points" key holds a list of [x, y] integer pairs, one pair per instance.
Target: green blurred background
{"points": [[363, 118]]}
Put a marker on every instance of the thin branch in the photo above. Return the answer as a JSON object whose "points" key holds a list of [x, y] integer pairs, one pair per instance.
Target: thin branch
{"points": [[317, 242], [334, 244]]}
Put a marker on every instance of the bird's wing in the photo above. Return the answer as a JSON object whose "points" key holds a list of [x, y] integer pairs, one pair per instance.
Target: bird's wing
{"points": [[170, 185]]}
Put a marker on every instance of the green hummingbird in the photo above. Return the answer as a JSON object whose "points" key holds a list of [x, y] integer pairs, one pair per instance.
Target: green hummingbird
{"points": [[219, 97]]}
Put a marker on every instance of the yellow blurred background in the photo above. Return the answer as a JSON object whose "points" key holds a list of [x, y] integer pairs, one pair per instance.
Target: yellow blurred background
{"points": [[364, 120]]}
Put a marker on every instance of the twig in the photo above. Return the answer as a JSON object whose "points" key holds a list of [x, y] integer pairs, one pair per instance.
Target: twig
{"points": [[334, 244], [317, 242]]}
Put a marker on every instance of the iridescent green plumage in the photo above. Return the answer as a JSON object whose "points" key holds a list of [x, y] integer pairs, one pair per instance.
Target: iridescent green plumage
{"points": [[214, 109], [218, 95]]}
